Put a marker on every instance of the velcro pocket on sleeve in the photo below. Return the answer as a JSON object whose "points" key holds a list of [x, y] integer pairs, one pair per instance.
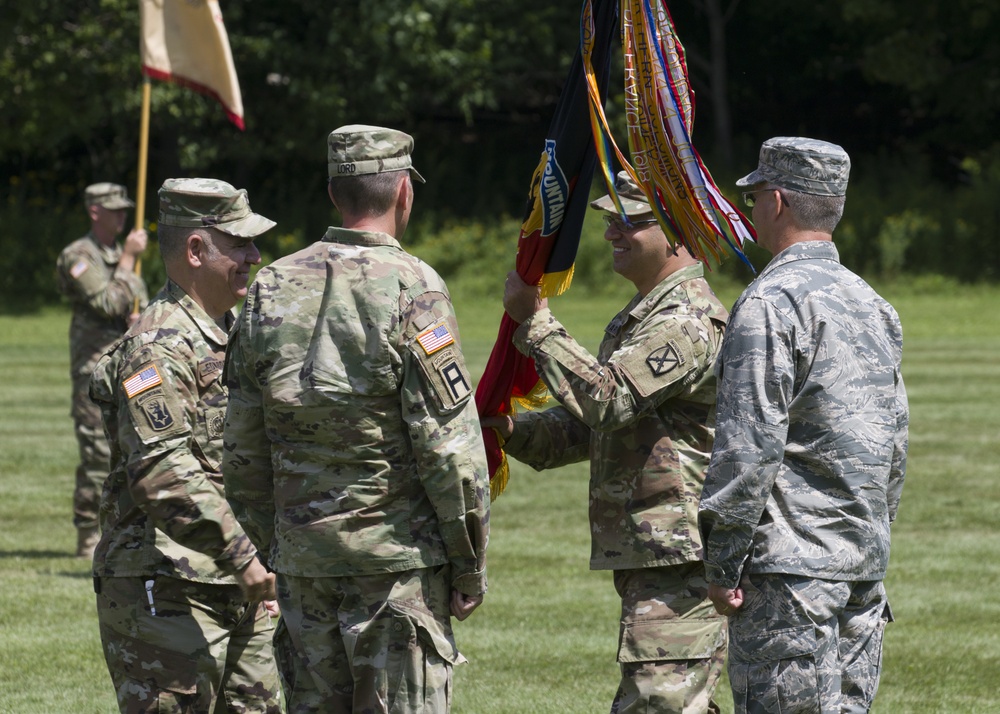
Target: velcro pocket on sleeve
{"points": [[654, 364], [446, 376], [157, 414]]}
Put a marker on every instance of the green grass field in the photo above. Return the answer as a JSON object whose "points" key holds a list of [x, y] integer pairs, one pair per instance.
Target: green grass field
{"points": [[545, 639]]}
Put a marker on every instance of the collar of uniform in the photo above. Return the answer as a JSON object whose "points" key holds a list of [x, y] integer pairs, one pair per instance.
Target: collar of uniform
{"points": [[110, 254], [806, 250], [206, 324], [352, 237], [645, 305]]}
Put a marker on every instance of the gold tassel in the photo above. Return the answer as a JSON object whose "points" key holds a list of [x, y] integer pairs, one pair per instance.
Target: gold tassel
{"points": [[499, 481], [535, 399], [555, 284]]}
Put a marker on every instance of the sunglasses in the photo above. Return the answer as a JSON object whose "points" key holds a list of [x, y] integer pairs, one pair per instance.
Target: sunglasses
{"points": [[749, 200], [621, 226]]}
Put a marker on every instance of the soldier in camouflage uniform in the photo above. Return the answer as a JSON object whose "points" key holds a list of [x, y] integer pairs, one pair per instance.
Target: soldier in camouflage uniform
{"points": [[641, 411], [354, 457], [810, 452], [181, 595], [96, 274]]}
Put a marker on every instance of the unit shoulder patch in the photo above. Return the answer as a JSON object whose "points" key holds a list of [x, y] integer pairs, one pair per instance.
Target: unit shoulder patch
{"points": [[654, 365], [155, 412], [663, 360], [445, 374]]}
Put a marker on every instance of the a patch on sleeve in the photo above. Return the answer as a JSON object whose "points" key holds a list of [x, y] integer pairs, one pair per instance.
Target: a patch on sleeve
{"points": [[154, 409], [435, 339], [445, 376], [146, 378], [663, 360], [79, 268], [653, 366], [157, 412], [454, 377]]}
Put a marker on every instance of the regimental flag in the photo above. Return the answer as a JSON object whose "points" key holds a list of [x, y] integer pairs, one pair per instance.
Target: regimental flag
{"points": [[550, 232], [185, 42], [692, 211], [659, 112]]}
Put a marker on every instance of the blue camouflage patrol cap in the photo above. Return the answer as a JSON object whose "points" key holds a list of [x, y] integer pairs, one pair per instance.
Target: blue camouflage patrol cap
{"points": [[801, 164], [359, 149], [210, 203]]}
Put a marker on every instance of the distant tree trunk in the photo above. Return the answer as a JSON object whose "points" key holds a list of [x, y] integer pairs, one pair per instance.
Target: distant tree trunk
{"points": [[716, 69]]}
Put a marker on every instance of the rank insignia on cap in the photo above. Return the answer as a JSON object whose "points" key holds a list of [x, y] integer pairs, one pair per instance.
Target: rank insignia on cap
{"points": [[434, 339], [141, 381], [79, 268]]}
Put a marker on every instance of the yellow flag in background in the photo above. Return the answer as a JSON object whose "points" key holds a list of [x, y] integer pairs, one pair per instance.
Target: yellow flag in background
{"points": [[185, 42]]}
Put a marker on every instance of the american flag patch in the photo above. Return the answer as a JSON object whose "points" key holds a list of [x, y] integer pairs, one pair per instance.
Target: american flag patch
{"points": [[141, 381], [79, 268], [435, 339]]}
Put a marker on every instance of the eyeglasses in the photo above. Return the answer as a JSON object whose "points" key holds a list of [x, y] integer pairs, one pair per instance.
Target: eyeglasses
{"points": [[748, 196], [619, 225]]}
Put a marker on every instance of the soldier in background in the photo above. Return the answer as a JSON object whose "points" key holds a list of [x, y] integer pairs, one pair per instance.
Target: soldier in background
{"points": [[354, 457], [641, 411], [810, 452], [180, 592], [97, 274]]}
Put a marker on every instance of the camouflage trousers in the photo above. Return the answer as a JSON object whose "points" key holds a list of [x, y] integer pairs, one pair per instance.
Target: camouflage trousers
{"points": [[367, 644], [805, 645], [95, 455], [672, 643], [186, 648]]}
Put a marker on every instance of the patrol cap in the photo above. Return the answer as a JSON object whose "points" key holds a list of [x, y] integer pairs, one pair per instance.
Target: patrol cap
{"points": [[112, 196], [633, 200], [801, 164], [210, 203], [359, 149]]}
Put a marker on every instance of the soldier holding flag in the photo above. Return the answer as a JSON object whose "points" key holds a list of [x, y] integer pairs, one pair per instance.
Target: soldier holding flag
{"points": [[96, 274], [641, 412]]}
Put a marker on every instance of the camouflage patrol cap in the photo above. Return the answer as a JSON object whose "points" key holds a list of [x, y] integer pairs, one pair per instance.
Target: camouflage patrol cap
{"points": [[111, 196], [801, 164], [358, 149], [210, 203], [633, 200]]}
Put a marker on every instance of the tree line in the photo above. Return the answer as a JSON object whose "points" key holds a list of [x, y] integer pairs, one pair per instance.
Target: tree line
{"points": [[909, 88]]}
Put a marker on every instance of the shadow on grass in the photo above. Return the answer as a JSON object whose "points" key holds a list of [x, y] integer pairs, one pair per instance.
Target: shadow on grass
{"points": [[36, 554], [84, 575]]}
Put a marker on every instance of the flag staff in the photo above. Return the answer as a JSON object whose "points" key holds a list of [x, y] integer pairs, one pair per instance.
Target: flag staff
{"points": [[140, 191]]}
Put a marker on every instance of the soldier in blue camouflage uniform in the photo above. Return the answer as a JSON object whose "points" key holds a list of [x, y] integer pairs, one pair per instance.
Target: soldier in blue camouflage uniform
{"points": [[181, 595], [810, 452], [354, 456], [96, 274], [641, 411]]}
